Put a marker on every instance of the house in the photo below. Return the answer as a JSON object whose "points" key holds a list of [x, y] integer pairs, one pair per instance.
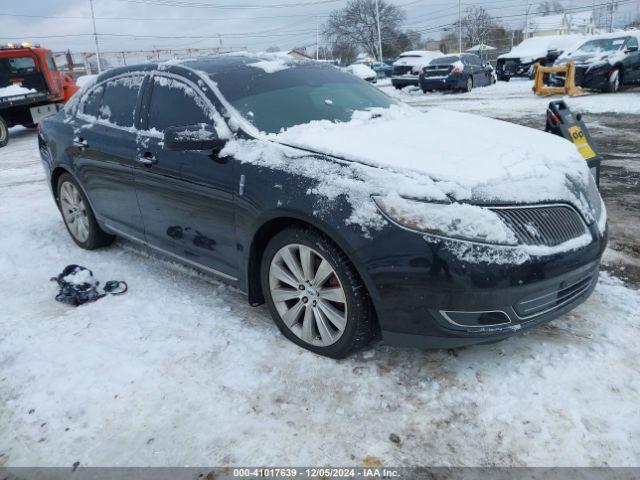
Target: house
{"points": [[548, 25], [582, 23], [299, 54]]}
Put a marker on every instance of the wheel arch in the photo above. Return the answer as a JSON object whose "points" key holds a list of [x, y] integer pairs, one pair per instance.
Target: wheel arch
{"points": [[56, 173], [275, 224]]}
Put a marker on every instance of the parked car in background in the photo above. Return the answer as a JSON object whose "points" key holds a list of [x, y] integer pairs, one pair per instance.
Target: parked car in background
{"points": [[280, 178], [406, 69], [519, 62], [604, 63], [456, 72], [362, 71], [383, 69]]}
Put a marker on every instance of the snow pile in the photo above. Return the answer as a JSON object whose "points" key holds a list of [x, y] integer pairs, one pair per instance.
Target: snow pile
{"points": [[85, 81], [362, 71], [272, 62], [15, 89]]}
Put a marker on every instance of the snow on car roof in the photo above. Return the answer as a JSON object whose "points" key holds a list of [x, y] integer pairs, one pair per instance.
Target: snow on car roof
{"points": [[420, 53], [537, 47]]}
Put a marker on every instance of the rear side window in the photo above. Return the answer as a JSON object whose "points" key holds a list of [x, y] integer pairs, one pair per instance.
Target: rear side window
{"points": [[632, 42], [51, 65], [119, 101], [91, 102], [174, 103], [17, 65]]}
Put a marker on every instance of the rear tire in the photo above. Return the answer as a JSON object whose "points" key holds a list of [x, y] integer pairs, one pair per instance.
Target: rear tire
{"points": [[78, 217], [4, 133], [322, 304]]}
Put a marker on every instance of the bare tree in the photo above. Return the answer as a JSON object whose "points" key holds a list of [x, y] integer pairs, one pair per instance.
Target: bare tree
{"points": [[345, 53], [355, 25], [273, 49], [549, 7], [477, 25]]}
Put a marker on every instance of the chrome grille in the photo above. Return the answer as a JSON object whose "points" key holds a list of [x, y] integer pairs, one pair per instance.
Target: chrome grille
{"points": [[548, 225], [557, 298]]}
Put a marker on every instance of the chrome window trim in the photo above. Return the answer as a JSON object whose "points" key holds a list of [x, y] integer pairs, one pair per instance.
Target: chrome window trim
{"points": [[445, 315], [95, 120]]}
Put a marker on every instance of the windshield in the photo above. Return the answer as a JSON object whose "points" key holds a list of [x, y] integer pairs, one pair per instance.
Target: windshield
{"points": [[602, 45], [296, 95]]}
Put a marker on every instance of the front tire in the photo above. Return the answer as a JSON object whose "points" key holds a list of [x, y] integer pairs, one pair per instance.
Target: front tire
{"points": [[614, 82], [4, 133], [469, 85], [78, 217], [314, 293]]}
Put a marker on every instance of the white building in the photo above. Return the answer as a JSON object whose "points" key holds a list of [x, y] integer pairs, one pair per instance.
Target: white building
{"points": [[581, 23]]}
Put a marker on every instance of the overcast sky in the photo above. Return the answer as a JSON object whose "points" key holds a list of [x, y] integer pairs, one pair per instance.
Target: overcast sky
{"points": [[254, 24]]}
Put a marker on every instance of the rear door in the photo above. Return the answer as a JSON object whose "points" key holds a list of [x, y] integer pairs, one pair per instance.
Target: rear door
{"points": [[632, 61], [104, 151], [186, 198]]}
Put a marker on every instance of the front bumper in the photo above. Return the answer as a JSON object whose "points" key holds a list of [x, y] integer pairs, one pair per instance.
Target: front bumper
{"points": [[592, 78], [513, 68], [413, 288]]}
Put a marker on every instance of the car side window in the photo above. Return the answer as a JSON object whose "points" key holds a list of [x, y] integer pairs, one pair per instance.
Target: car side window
{"points": [[91, 102], [174, 103], [632, 42], [119, 100], [51, 65]]}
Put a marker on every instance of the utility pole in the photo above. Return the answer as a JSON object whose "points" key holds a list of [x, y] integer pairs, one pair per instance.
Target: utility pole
{"points": [[460, 26], [379, 33], [526, 21], [317, 42], [95, 37]]}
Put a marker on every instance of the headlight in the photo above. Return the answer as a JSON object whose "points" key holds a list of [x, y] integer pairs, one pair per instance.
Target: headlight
{"points": [[452, 220], [596, 204]]}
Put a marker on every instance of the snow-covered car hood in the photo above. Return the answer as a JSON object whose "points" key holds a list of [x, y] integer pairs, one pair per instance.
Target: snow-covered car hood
{"points": [[467, 157], [591, 59]]}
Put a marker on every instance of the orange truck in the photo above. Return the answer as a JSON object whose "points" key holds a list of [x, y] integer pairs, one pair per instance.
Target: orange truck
{"points": [[31, 87]]}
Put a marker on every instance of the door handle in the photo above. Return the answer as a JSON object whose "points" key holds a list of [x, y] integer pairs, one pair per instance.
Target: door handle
{"points": [[81, 143], [147, 159]]}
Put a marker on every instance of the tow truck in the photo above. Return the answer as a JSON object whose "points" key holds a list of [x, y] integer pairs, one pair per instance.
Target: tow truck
{"points": [[31, 87]]}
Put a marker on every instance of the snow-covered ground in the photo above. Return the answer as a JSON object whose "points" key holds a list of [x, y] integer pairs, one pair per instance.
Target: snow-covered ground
{"points": [[514, 99], [181, 371]]}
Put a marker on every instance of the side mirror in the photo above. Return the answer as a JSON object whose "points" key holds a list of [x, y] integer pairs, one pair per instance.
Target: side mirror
{"points": [[633, 48], [192, 137]]}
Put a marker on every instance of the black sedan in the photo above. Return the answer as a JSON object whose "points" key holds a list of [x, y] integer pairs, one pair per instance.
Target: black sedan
{"points": [[456, 72], [604, 64], [273, 176]]}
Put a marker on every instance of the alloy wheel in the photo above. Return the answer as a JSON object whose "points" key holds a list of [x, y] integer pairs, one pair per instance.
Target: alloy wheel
{"points": [[308, 295], [615, 81], [74, 211]]}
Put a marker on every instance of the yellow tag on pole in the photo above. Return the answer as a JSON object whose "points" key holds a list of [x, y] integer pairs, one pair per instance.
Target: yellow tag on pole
{"points": [[580, 140]]}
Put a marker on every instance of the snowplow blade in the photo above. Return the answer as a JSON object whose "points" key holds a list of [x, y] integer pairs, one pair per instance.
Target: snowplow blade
{"points": [[570, 88]]}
